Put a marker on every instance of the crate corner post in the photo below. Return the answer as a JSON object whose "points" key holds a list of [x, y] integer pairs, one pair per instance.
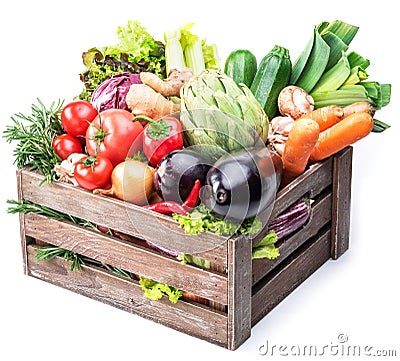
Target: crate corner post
{"points": [[341, 201], [239, 290]]}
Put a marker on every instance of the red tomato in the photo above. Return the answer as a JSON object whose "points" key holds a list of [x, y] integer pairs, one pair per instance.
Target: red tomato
{"points": [[93, 172], [76, 117], [66, 144], [114, 135]]}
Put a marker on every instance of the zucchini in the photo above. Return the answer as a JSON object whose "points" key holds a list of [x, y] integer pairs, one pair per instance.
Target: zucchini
{"points": [[241, 66], [272, 76]]}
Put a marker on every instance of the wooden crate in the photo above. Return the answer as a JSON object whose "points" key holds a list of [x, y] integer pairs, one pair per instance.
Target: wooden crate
{"points": [[232, 296]]}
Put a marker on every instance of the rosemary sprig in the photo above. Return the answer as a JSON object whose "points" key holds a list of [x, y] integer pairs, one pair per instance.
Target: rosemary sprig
{"points": [[34, 134], [50, 252], [26, 207]]}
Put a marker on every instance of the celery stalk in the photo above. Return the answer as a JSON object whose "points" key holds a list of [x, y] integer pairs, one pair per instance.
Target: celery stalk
{"points": [[194, 57], [174, 58]]}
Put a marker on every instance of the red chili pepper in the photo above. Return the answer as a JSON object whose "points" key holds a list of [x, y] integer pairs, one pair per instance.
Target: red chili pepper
{"points": [[167, 207], [161, 137], [193, 198]]}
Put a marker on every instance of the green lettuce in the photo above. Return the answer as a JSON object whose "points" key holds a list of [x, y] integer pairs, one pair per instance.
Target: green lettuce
{"points": [[197, 261], [202, 219], [135, 51], [266, 247], [156, 290]]}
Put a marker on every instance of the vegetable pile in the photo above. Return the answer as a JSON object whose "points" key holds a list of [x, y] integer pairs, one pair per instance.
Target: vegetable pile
{"points": [[166, 126]]}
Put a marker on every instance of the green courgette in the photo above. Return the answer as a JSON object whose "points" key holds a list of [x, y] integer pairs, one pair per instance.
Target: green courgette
{"points": [[241, 66], [272, 76]]}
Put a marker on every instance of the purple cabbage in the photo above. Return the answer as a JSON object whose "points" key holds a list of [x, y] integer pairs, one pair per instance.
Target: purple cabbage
{"points": [[111, 93]]}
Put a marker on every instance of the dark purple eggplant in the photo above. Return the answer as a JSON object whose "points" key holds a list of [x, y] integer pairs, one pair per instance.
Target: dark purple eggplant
{"points": [[291, 220], [242, 184], [177, 172]]}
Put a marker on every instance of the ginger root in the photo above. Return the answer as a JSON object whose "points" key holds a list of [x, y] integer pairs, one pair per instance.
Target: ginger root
{"points": [[170, 86], [144, 100]]}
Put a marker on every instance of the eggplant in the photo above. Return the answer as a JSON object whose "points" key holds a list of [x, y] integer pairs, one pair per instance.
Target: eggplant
{"points": [[177, 172], [242, 184], [291, 220]]}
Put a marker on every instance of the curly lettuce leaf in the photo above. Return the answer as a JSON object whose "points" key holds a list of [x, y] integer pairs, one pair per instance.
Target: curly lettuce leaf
{"points": [[156, 290], [194, 260], [266, 247], [135, 52], [202, 219]]}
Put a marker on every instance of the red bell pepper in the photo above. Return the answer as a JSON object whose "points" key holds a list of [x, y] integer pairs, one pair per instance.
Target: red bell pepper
{"points": [[161, 137]]}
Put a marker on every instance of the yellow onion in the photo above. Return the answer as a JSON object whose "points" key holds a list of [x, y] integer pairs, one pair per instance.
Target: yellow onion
{"points": [[131, 181]]}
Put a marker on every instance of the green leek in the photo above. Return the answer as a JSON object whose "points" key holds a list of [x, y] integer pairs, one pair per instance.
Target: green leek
{"points": [[315, 64], [357, 74], [343, 96], [334, 77]]}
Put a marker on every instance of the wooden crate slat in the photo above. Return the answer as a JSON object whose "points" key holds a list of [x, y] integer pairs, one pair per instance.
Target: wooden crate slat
{"points": [[319, 217], [123, 216], [133, 258], [312, 182], [193, 319], [295, 271], [342, 174]]}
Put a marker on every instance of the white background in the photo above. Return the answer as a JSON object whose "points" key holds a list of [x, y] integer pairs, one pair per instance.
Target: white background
{"points": [[358, 295]]}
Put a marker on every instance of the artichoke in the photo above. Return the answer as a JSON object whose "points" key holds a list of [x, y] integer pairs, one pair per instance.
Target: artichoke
{"points": [[220, 116]]}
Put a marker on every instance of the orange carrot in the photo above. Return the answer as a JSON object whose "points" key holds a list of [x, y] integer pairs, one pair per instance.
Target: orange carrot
{"points": [[325, 116], [301, 141], [359, 107], [346, 132]]}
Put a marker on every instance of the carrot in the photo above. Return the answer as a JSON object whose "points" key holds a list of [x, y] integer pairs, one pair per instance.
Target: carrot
{"points": [[325, 116], [346, 132], [301, 141], [359, 107]]}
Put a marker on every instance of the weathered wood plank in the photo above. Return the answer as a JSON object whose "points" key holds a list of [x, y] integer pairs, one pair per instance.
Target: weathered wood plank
{"points": [[239, 296], [341, 203], [125, 294], [295, 270], [122, 254], [123, 216], [22, 224], [319, 217], [312, 182]]}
